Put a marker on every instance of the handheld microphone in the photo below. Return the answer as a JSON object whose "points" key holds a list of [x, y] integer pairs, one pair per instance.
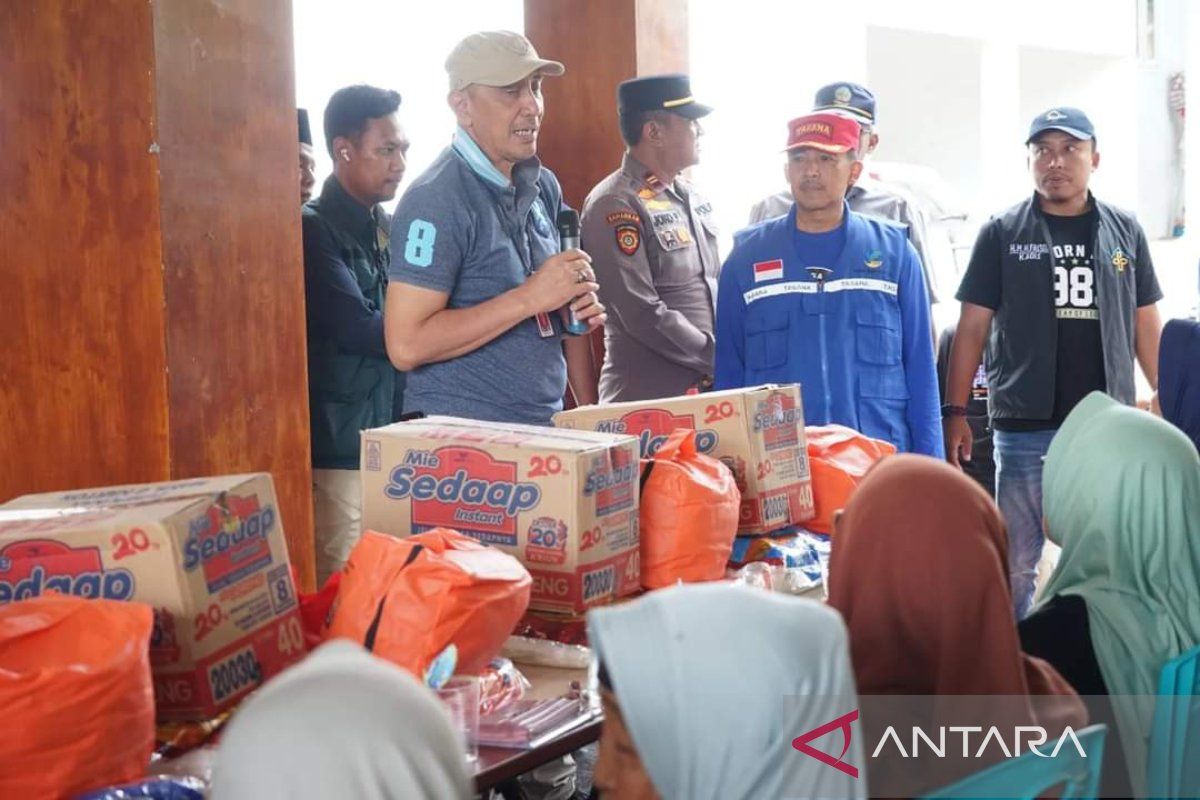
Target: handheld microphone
{"points": [[568, 238]]}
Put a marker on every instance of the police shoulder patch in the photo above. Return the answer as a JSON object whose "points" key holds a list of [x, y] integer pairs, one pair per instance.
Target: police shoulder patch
{"points": [[629, 238]]}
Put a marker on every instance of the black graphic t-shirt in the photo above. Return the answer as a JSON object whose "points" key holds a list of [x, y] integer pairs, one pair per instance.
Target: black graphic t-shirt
{"points": [[1080, 350]]}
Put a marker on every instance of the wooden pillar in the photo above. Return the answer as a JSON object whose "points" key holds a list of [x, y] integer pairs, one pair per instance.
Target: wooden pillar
{"points": [[151, 282], [601, 44]]}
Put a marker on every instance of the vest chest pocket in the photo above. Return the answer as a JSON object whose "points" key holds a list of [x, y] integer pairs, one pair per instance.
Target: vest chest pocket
{"points": [[879, 348], [767, 340]]}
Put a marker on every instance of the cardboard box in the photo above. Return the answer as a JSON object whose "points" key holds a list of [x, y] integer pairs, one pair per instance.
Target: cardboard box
{"points": [[565, 503], [209, 557], [758, 432]]}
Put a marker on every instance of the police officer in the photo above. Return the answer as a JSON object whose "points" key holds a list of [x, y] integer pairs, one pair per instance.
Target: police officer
{"points": [[868, 195], [833, 300], [654, 248]]}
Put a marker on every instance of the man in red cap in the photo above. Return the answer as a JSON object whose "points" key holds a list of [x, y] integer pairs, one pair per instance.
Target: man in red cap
{"points": [[832, 300]]}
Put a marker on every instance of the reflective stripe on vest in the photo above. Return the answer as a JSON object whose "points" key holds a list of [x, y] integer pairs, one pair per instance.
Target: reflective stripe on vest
{"points": [[810, 287]]}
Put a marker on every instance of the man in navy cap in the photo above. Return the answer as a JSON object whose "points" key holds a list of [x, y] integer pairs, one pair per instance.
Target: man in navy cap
{"points": [[1062, 289], [868, 195], [653, 245]]}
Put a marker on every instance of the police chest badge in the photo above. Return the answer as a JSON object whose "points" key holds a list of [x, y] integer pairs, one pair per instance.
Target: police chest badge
{"points": [[629, 239], [1119, 260], [873, 259]]}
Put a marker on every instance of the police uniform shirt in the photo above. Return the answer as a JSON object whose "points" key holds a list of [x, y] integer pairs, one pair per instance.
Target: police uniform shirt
{"points": [[654, 252]]}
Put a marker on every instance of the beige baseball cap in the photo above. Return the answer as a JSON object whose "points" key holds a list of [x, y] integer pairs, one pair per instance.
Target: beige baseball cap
{"points": [[495, 58]]}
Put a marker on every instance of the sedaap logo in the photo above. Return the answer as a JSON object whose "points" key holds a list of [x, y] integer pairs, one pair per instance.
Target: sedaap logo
{"points": [[31, 567], [229, 542], [652, 426], [611, 478], [779, 420], [465, 489]]}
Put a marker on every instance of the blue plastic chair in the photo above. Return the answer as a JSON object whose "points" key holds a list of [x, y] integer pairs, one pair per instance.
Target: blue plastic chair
{"points": [[1174, 764], [1030, 776]]}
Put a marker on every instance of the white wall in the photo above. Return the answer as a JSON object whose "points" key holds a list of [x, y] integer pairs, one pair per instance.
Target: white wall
{"points": [[1157, 155], [1105, 87], [957, 82], [1094, 26], [394, 45], [929, 103], [759, 64]]}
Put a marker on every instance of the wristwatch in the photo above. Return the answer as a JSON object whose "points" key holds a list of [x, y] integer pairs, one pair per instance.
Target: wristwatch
{"points": [[951, 410]]}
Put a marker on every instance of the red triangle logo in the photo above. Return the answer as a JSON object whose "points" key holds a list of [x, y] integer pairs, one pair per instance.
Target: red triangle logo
{"points": [[843, 723]]}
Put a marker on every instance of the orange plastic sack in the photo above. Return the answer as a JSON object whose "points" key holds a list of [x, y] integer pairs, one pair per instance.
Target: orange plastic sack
{"points": [[689, 514], [77, 695], [407, 599], [838, 458]]}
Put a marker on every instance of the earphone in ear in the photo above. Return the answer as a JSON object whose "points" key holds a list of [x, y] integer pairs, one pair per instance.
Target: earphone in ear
{"points": [[345, 155]]}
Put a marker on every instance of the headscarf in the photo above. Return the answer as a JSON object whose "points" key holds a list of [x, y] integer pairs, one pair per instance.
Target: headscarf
{"points": [[1179, 376], [1122, 498], [714, 681], [342, 723], [919, 571]]}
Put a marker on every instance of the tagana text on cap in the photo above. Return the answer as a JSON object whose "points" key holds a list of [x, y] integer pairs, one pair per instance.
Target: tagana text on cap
{"points": [[496, 58], [1070, 121], [671, 93], [831, 133], [847, 97]]}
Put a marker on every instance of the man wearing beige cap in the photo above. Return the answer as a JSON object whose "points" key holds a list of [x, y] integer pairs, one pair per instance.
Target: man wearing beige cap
{"points": [[479, 290]]}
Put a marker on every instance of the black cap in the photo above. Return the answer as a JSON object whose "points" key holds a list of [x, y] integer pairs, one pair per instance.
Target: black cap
{"points": [[660, 93], [849, 97], [302, 124], [1070, 121]]}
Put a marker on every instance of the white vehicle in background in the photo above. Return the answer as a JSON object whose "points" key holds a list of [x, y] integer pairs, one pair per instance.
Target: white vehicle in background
{"points": [[950, 227]]}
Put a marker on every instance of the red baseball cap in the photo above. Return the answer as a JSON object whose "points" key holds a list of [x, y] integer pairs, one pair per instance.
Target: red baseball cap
{"points": [[832, 133]]}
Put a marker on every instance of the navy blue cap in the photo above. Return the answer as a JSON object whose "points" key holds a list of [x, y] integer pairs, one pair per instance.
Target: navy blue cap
{"points": [[1070, 121], [660, 93], [849, 97]]}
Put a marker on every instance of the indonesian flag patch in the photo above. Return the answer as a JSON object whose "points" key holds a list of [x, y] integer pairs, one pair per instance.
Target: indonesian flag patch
{"points": [[768, 270]]}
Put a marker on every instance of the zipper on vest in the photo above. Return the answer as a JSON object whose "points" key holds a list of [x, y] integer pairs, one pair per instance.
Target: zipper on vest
{"points": [[819, 274]]}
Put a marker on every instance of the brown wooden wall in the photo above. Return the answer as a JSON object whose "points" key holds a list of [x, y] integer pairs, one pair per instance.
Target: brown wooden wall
{"points": [[82, 345], [233, 261], [151, 287]]}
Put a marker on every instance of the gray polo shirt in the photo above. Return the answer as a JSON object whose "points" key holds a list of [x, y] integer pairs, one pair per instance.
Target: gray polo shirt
{"points": [[464, 229]]}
